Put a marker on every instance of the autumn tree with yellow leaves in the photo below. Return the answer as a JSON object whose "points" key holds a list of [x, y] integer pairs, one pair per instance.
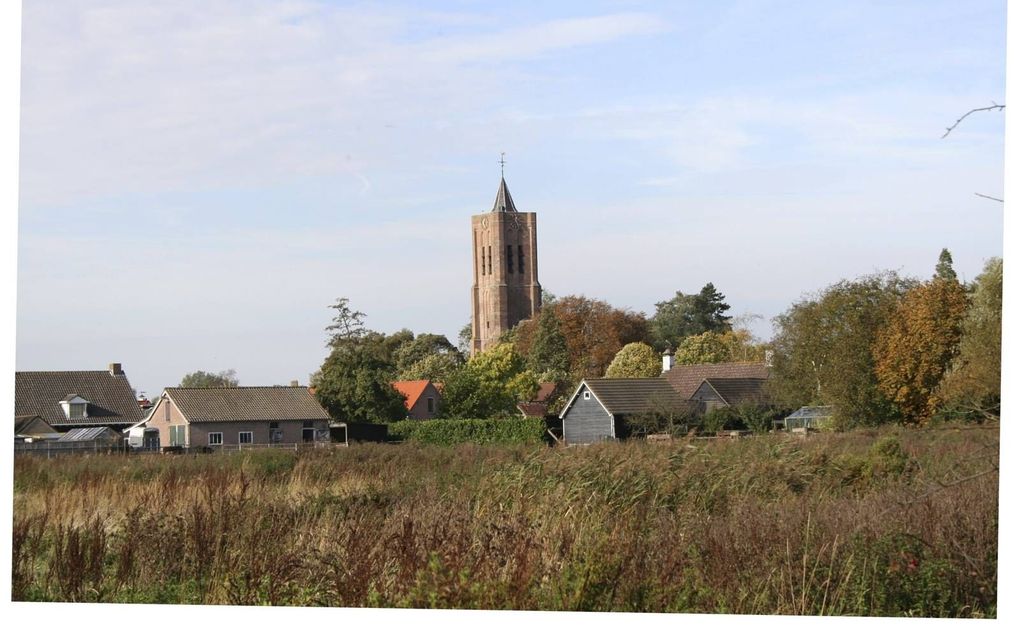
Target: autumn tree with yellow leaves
{"points": [[915, 348]]}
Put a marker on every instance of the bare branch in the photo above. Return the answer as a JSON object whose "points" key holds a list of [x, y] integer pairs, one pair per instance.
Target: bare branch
{"points": [[993, 107], [989, 197]]}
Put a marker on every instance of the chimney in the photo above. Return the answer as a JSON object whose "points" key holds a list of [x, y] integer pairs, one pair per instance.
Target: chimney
{"points": [[667, 360], [115, 369], [295, 383]]}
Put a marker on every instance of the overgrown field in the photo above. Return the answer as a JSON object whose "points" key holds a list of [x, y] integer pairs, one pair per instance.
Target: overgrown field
{"points": [[888, 522]]}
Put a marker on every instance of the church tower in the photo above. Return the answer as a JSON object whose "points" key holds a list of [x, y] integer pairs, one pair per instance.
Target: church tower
{"points": [[506, 289]]}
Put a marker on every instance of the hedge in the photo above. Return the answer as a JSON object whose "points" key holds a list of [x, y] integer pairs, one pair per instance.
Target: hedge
{"points": [[450, 431]]}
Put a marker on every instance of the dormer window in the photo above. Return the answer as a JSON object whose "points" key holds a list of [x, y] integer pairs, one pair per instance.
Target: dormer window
{"points": [[75, 407]]}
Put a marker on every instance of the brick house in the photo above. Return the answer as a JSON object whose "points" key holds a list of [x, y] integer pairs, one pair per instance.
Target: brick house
{"points": [[421, 398], [217, 416], [715, 393], [688, 379]]}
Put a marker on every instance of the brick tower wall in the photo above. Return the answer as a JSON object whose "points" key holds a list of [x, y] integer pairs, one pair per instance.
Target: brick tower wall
{"points": [[504, 293]]}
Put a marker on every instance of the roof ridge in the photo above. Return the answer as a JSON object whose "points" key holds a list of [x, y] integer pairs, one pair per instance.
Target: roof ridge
{"points": [[66, 371], [245, 387]]}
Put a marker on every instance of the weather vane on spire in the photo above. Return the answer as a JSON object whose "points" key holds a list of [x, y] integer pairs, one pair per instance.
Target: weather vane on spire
{"points": [[502, 162]]}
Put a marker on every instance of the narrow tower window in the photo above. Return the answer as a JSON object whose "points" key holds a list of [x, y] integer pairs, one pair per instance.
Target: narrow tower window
{"points": [[520, 258], [510, 259], [490, 259]]}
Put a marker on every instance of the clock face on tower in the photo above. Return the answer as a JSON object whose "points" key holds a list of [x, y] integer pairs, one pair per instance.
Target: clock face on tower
{"points": [[515, 222]]}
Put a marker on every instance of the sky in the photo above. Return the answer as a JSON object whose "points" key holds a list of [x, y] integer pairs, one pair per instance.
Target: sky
{"points": [[200, 180]]}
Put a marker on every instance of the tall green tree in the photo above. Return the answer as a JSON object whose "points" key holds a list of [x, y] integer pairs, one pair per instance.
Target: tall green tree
{"points": [[823, 349], [410, 356], [635, 360], [687, 315], [548, 355], [490, 383], [347, 323], [226, 378], [464, 340], [944, 268], [972, 386], [354, 383], [735, 346]]}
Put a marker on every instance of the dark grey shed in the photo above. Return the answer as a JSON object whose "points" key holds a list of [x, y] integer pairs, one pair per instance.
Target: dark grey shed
{"points": [[605, 408]]}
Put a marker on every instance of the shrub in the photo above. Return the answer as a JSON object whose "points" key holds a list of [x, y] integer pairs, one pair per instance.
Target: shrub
{"points": [[449, 431], [721, 419]]}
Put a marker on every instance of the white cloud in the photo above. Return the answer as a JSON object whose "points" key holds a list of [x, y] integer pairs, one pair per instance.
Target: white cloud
{"points": [[149, 97]]}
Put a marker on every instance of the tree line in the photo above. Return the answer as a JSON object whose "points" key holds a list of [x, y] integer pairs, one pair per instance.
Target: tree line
{"points": [[879, 348], [886, 348], [572, 337]]}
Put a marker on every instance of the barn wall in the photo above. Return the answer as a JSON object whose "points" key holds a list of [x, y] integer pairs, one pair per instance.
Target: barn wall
{"points": [[586, 421]]}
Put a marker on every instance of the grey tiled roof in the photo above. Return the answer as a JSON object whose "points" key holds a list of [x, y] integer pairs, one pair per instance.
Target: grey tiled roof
{"points": [[686, 379], [31, 424], [635, 395], [504, 202], [110, 397], [240, 404], [739, 390]]}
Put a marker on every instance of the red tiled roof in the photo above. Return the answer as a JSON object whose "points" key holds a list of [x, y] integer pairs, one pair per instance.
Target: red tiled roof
{"points": [[411, 389], [544, 391], [532, 409]]}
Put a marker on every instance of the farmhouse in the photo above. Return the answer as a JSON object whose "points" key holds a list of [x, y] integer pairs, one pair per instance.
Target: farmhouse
{"points": [[607, 408], [420, 397], [217, 416], [714, 393], [688, 379], [72, 399]]}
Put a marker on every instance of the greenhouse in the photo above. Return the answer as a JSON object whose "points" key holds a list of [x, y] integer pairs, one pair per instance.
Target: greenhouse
{"points": [[813, 417]]}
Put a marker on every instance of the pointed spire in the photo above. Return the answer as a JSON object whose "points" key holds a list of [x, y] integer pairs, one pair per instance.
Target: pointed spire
{"points": [[504, 202]]}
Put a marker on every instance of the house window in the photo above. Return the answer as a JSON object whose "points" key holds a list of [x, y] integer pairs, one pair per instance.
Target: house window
{"points": [[587, 395], [430, 405], [215, 438], [76, 410], [244, 438], [275, 433], [176, 435], [308, 434], [510, 259]]}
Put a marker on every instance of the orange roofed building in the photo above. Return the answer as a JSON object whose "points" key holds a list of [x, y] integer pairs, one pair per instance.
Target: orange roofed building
{"points": [[421, 398]]}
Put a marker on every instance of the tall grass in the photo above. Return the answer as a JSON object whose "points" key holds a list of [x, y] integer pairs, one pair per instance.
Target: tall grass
{"points": [[892, 522]]}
